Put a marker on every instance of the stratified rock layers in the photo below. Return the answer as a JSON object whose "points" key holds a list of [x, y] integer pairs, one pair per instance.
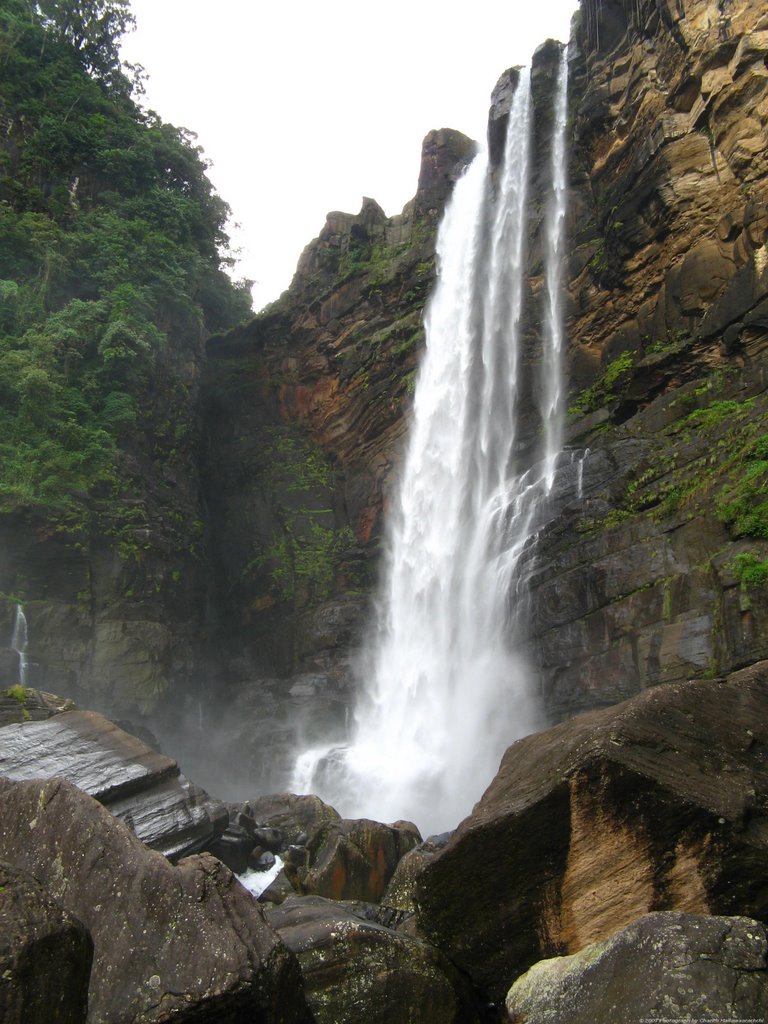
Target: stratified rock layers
{"points": [[656, 804]]}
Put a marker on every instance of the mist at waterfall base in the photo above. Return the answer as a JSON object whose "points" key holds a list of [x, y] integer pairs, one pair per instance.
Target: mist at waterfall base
{"points": [[445, 687]]}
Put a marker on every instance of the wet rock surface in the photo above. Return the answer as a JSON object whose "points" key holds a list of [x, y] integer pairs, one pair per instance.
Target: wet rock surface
{"points": [[138, 785], [656, 804], [663, 966], [352, 859], [355, 969], [187, 942], [45, 955]]}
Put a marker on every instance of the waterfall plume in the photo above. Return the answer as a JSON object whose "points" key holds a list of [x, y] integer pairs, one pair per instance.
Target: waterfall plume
{"points": [[445, 687]]}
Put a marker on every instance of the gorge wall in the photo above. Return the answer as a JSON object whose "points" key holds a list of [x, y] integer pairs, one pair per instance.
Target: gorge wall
{"points": [[257, 535], [658, 572]]}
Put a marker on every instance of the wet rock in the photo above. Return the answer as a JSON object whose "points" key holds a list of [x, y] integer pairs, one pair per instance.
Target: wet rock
{"points": [[356, 970], [352, 859], [26, 704], [265, 861], [187, 942], [269, 838], [278, 890], [656, 804], [293, 815], [45, 955], [141, 787], [667, 965], [234, 848]]}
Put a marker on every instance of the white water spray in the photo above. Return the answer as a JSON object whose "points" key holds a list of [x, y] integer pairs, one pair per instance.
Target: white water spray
{"points": [[19, 642], [446, 692]]}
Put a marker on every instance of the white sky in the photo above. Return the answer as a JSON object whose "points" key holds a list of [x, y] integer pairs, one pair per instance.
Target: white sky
{"points": [[306, 106]]}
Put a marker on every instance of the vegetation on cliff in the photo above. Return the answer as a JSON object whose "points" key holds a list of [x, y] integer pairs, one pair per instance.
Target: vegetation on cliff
{"points": [[112, 256]]}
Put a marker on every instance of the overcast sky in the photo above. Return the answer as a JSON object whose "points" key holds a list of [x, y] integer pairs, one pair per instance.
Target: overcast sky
{"points": [[306, 106]]}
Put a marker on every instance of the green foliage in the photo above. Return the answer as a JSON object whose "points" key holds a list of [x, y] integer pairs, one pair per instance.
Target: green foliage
{"points": [[609, 385], [112, 241], [743, 505], [750, 570], [302, 558], [713, 414], [17, 692]]}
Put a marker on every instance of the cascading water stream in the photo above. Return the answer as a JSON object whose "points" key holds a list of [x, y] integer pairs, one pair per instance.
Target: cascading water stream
{"points": [[445, 689], [19, 642], [552, 413]]}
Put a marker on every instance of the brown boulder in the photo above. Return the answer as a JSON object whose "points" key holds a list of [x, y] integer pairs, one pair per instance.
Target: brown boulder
{"points": [[356, 970], [45, 955], [353, 859], [664, 966], [656, 804], [186, 942]]}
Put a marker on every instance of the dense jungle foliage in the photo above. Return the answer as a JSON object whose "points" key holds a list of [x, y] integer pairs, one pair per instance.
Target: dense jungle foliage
{"points": [[112, 256]]}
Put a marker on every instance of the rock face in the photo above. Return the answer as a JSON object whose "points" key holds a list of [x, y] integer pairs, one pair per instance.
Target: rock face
{"points": [[141, 787], [657, 804], [45, 956], [183, 943], [648, 574], [356, 970], [673, 966], [245, 607]]}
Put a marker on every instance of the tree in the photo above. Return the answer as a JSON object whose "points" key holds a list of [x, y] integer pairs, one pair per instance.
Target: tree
{"points": [[93, 28]]}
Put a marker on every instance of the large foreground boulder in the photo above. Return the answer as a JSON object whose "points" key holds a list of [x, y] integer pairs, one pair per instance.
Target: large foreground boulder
{"points": [[186, 943], [138, 785], [659, 803], [45, 955], [663, 967], [357, 970]]}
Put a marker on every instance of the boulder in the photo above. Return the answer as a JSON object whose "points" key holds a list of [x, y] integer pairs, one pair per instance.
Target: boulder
{"points": [[45, 955], [138, 785], [186, 942], [665, 965], [356, 970], [351, 859], [658, 803], [295, 816]]}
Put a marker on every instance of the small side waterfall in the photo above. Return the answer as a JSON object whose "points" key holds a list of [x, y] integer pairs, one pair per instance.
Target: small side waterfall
{"points": [[19, 642], [446, 688]]}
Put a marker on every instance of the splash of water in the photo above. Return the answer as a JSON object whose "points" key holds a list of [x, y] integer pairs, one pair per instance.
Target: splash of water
{"points": [[446, 689]]}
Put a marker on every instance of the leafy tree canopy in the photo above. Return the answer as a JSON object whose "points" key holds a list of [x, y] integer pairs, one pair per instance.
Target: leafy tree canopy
{"points": [[113, 250]]}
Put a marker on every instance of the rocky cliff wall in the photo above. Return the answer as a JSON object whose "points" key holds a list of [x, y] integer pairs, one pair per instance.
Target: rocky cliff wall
{"points": [[653, 568], [238, 582], [659, 573]]}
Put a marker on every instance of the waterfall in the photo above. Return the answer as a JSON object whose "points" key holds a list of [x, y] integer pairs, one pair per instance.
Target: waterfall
{"points": [[19, 642], [445, 687], [554, 233]]}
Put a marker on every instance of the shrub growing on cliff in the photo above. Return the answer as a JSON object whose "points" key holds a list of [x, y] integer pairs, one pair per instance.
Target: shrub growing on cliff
{"points": [[606, 388]]}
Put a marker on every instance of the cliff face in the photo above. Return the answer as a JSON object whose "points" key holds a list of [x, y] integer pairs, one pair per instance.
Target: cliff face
{"points": [[654, 567], [659, 573], [304, 414], [242, 573]]}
